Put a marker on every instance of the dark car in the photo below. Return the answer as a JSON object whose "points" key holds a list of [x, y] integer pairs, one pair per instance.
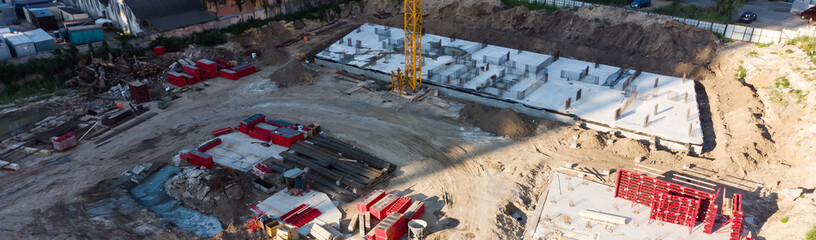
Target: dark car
{"points": [[641, 3], [748, 17], [810, 13]]}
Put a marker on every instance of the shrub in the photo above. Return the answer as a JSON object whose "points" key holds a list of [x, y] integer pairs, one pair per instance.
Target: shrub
{"points": [[784, 220], [811, 235], [678, 9], [530, 5]]}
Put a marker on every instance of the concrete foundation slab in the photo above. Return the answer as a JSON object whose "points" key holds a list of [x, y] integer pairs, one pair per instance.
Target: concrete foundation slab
{"points": [[237, 151], [568, 195]]}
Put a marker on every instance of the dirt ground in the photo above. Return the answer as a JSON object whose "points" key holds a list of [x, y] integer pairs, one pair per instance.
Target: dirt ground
{"points": [[759, 135]]}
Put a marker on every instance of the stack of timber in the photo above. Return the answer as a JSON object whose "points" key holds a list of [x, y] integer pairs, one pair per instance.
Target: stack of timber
{"points": [[351, 152], [334, 172]]}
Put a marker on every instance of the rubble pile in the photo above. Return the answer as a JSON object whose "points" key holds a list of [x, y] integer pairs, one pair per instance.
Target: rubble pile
{"points": [[101, 74]]}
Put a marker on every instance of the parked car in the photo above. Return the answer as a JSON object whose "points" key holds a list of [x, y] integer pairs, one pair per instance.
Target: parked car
{"points": [[748, 17], [810, 13], [641, 3]]}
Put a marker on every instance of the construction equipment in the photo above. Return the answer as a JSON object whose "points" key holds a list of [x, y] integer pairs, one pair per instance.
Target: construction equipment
{"points": [[411, 79]]}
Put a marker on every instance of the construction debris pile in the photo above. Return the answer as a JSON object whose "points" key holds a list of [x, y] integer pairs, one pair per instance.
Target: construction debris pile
{"points": [[100, 75], [207, 191]]}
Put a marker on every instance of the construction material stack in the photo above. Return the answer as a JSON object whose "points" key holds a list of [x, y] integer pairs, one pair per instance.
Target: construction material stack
{"points": [[64, 142], [392, 210], [208, 68]]}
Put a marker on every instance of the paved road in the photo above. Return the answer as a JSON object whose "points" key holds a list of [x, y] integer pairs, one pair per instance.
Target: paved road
{"points": [[774, 15]]}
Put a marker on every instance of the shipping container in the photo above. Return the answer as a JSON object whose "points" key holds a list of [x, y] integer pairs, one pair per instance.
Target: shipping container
{"points": [[7, 15], [5, 53], [69, 13], [19, 44], [85, 34], [43, 41], [42, 18]]}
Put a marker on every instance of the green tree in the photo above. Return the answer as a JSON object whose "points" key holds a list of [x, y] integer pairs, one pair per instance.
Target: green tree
{"points": [[727, 7]]}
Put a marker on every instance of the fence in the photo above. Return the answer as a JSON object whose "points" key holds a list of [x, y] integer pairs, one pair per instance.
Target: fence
{"points": [[730, 31]]}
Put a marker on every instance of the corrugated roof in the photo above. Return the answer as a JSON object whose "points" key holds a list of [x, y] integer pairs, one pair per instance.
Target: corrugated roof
{"points": [[16, 38], [40, 12], [38, 35], [170, 14]]}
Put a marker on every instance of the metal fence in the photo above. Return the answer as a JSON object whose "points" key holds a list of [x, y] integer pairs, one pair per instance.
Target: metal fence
{"points": [[730, 31]]}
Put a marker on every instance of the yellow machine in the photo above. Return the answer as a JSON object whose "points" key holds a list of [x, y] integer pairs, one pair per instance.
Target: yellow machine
{"points": [[411, 79]]}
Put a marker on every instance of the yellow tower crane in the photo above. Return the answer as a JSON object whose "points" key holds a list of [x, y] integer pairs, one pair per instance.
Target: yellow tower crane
{"points": [[411, 79]]}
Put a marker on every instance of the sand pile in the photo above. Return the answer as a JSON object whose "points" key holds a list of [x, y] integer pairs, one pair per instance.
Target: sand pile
{"points": [[501, 122], [292, 74]]}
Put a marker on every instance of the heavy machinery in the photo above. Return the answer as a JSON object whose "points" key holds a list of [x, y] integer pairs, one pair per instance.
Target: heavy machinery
{"points": [[409, 80]]}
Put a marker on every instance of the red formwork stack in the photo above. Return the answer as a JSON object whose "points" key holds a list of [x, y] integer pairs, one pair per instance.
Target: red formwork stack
{"points": [[250, 122], [260, 135], [415, 211], [300, 215], [194, 72], [736, 219], [208, 68], [285, 136], [265, 127], [391, 227], [378, 209], [399, 206], [138, 92], [222, 131], [221, 64], [199, 158], [176, 79], [209, 145], [663, 197], [228, 74], [365, 203], [244, 69]]}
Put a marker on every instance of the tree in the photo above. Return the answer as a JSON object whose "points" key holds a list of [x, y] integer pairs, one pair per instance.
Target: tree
{"points": [[727, 7]]}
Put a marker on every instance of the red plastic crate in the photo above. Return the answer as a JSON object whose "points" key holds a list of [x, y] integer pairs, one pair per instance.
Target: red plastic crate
{"points": [[209, 145], [399, 206], [369, 199], [260, 135], [159, 50], [379, 208], [228, 74], [222, 131]]}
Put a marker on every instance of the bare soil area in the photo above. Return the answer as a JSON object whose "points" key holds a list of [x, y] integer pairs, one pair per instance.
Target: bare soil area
{"points": [[759, 135]]}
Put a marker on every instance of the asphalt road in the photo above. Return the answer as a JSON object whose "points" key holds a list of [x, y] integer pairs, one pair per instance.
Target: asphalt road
{"points": [[774, 15]]}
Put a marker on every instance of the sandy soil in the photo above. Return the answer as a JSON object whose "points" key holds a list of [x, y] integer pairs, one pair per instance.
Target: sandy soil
{"points": [[471, 180]]}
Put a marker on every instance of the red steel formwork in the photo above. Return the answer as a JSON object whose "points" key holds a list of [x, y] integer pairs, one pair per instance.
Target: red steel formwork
{"points": [[674, 209], [736, 220], [642, 189]]}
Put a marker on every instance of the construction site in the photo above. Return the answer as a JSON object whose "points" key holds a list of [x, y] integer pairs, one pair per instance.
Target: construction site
{"points": [[426, 119]]}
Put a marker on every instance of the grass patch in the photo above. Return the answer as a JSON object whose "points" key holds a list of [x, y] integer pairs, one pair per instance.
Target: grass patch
{"points": [[807, 44], [722, 38], [740, 73], [789, 51], [752, 54], [530, 5], [781, 82], [811, 235], [784, 220], [763, 45], [691, 11]]}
